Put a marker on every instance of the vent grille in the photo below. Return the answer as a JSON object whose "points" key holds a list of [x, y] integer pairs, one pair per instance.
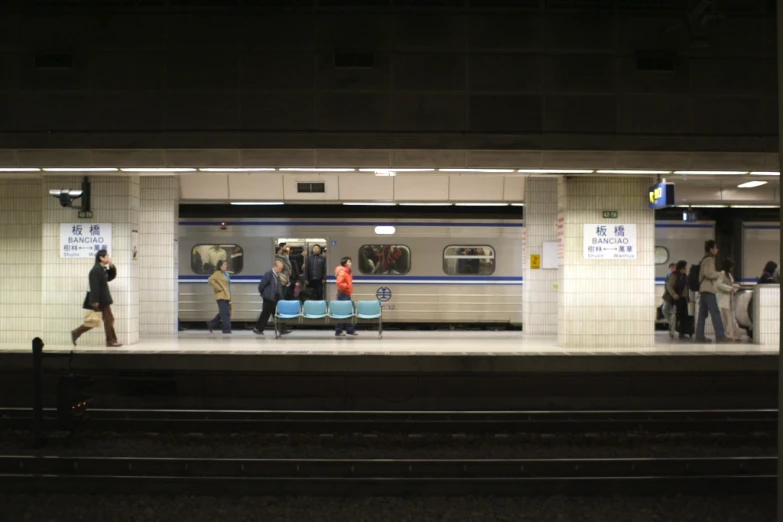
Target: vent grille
{"points": [[311, 188]]}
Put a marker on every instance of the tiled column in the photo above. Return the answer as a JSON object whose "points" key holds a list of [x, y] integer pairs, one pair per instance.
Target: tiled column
{"points": [[539, 296], [64, 282], [766, 315], [606, 303], [20, 264], [157, 250]]}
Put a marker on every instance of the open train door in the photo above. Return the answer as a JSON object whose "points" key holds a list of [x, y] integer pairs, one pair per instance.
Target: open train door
{"points": [[300, 248]]}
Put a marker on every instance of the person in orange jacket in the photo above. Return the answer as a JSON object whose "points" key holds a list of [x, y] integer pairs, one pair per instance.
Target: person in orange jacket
{"points": [[344, 292]]}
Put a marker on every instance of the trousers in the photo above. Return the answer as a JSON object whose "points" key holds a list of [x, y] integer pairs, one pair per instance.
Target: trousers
{"points": [[223, 316], [108, 326], [708, 303], [267, 309]]}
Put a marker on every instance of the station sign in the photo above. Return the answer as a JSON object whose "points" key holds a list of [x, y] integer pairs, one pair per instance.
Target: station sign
{"points": [[611, 214], [83, 240], [609, 241], [661, 195]]}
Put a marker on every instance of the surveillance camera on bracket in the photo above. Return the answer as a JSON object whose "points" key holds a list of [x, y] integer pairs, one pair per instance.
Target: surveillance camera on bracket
{"points": [[66, 196]]}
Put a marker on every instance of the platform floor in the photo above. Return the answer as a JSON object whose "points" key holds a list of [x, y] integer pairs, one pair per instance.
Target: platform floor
{"points": [[396, 343]]}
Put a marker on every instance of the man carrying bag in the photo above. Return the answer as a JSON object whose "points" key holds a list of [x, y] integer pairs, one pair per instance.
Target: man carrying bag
{"points": [[98, 300]]}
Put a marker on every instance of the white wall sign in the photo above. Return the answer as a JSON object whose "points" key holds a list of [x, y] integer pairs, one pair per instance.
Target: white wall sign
{"points": [[83, 240], [604, 241]]}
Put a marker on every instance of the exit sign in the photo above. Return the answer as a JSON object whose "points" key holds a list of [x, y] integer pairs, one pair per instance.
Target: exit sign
{"points": [[85, 214], [610, 214]]}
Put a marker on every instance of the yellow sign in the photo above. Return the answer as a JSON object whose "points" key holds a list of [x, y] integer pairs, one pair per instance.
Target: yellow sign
{"points": [[535, 261]]}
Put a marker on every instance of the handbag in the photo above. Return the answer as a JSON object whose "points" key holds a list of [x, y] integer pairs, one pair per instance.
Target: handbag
{"points": [[93, 319], [297, 289]]}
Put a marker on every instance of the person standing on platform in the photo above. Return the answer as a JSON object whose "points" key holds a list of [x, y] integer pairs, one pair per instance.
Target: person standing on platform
{"points": [[99, 298], [726, 290], [271, 290], [315, 272], [708, 300], [220, 282], [677, 287], [344, 292]]}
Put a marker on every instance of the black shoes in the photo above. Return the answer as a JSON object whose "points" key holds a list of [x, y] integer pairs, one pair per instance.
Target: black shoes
{"points": [[209, 327], [257, 331]]}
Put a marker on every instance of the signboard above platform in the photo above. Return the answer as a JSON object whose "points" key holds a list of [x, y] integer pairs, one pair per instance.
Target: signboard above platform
{"points": [[609, 241], [83, 240]]}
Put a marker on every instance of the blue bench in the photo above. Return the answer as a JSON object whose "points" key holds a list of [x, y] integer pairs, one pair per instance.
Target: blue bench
{"points": [[293, 312]]}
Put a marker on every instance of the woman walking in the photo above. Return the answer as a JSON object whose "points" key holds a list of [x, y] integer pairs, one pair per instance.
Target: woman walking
{"points": [[220, 282]]}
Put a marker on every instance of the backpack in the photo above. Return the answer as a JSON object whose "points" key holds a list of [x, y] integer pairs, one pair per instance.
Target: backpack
{"points": [[694, 279]]}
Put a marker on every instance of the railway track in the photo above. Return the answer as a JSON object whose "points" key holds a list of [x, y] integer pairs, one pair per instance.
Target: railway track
{"points": [[109, 475], [270, 421]]}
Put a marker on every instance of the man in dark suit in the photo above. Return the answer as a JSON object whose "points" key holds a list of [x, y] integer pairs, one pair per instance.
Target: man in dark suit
{"points": [[271, 291], [99, 299]]}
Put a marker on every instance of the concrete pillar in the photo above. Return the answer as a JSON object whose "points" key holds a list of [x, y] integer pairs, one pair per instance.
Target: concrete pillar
{"points": [[606, 303], [539, 295], [158, 255], [64, 282], [20, 264]]}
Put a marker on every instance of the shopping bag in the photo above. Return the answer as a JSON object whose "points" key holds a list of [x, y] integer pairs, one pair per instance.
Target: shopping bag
{"points": [[93, 319]]}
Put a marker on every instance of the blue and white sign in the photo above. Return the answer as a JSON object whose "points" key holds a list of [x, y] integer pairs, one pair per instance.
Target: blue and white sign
{"points": [[83, 240], [383, 294], [604, 241], [661, 195]]}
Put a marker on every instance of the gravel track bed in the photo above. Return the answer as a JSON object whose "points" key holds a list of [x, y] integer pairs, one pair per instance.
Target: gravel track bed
{"points": [[386, 446], [72, 508]]}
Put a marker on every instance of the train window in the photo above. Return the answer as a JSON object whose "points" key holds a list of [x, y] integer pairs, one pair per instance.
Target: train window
{"points": [[469, 260], [204, 258], [661, 255], [384, 260]]}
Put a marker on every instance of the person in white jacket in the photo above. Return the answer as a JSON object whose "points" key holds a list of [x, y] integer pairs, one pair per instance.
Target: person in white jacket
{"points": [[726, 289]]}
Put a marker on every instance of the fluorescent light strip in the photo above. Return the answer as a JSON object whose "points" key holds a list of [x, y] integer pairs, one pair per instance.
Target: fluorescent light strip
{"points": [[19, 169], [476, 170], [696, 205], [634, 171], [710, 172], [80, 169], [218, 169], [752, 184], [517, 204], [316, 169], [755, 206], [555, 171], [175, 169], [426, 204], [370, 204], [756, 173], [248, 203], [481, 204], [393, 169]]}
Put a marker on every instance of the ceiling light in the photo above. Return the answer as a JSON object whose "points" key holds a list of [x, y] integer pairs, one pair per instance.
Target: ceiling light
{"points": [[755, 173], [80, 169], [19, 169], [426, 204], [481, 204], [755, 206], [385, 173], [710, 172], [316, 169], [371, 204], [476, 170], [218, 169], [257, 203], [555, 171], [752, 184], [395, 169], [517, 204], [385, 230], [640, 172], [176, 169]]}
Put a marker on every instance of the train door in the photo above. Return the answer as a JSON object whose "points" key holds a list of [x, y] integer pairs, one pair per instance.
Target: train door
{"points": [[300, 248]]}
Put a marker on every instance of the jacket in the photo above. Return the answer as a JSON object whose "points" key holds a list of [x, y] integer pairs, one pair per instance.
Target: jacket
{"points": [[99, 286], [723, 285], [220, 286], [676, 284], [271, 287], [315, 267], [344, 280], [766, 279], [708, 275]]}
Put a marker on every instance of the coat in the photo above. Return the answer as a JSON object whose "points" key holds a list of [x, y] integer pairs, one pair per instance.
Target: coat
{"points": [[676, 284], [723, 285], [271, 287], [99, 286], [315, 268], [344, 280], [708, 275], [220, 286]]}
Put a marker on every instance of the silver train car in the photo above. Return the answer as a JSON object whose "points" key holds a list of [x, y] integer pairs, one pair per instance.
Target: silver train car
{"points": [[422, 271]]}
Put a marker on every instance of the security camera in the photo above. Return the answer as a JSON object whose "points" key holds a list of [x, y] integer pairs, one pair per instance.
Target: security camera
{"points": [[66, 196]]}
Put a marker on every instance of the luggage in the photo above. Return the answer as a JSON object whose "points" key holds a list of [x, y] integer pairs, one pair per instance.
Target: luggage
{"points": [[689, 328]]}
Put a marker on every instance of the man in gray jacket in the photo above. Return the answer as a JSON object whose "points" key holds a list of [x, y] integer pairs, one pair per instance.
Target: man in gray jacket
{"points": [[271, 290], [708, 301]]}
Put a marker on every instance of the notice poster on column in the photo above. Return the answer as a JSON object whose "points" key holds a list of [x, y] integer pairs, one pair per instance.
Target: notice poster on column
{"points": [[609, 241], [560, 237], [83, 240], [135, 245], [524, 247]]}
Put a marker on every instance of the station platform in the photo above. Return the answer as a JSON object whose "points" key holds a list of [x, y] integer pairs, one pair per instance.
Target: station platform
{"points": [[400, 352]]}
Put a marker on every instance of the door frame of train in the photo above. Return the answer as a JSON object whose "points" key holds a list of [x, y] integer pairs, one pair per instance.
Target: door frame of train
{"points": [[308, 244]]}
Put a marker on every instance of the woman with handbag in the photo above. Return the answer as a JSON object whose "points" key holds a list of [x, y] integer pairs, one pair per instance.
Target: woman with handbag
{"points": [[98, 300], [220, 282]]}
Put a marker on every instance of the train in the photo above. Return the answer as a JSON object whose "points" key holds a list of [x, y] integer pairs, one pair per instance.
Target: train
{"points": [[447, 269]]}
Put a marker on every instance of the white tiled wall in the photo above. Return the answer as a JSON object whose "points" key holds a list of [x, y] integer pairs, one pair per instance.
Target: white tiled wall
{"points": [[606, 304], [65, 281], [158, 235], [20, 262], [539, 298], [766, 315]]}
